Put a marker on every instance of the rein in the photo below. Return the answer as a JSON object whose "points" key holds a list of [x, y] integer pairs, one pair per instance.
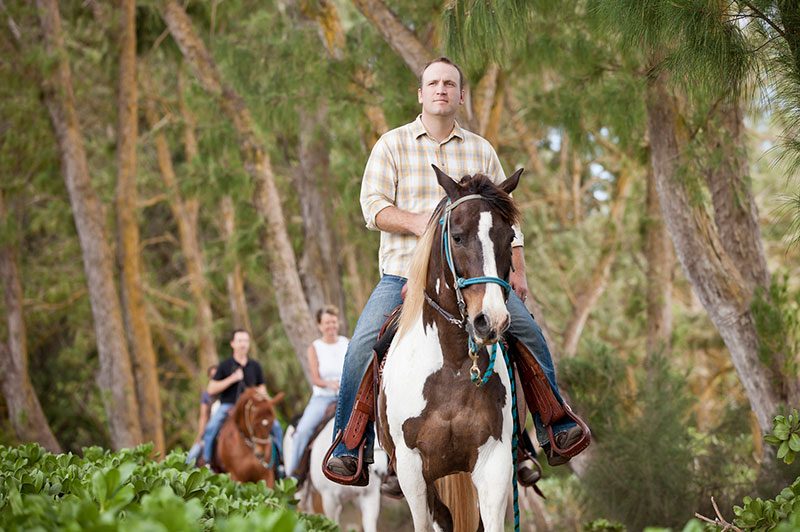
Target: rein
{"points": [[459, 283], [251, 440]]}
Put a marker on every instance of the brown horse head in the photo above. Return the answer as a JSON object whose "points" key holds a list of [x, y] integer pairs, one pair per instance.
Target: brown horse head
{"points": [[254, 415], [479, 241]]}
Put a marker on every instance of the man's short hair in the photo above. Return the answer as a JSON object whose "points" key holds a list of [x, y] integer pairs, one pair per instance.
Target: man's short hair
{"points": [[238, 330], [446, 60], [327, 309]]}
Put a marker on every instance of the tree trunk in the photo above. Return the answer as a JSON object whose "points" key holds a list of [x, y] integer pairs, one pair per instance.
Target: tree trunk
{"points": [[491, 132], [735, 210], [234, 279], [143, 356], [483, 97], [320, 272], [529, 141], [718, 284], [601, 273], [24, 410], [660, 258], [115, 378], [185, 214], [292, 306]]}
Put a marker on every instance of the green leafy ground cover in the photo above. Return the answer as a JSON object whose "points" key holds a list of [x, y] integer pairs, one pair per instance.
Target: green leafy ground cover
{"points": [[125, 491]]}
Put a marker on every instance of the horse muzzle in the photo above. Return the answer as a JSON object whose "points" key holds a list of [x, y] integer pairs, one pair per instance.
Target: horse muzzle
{"points": [[487, 330]]}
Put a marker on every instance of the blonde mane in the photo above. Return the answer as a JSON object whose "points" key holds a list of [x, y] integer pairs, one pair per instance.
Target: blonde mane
{"points": [[418, 274]]}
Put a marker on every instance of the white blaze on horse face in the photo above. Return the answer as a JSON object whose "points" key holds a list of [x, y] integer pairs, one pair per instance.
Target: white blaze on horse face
{"points": [[494, 304]]}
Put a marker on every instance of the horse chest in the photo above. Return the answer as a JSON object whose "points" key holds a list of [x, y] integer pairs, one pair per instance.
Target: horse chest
{"points": [[431, 404]]}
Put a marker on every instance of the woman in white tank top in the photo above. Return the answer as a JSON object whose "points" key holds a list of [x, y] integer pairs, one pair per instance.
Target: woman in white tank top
{"points": [[325, 360]]}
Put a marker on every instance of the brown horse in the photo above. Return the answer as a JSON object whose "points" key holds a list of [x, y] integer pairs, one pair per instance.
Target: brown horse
{"points": [[245, 447], [434, 419]]}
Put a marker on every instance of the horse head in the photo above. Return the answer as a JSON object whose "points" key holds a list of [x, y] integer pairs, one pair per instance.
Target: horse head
{"points": [[476, 248], [254, 415]]}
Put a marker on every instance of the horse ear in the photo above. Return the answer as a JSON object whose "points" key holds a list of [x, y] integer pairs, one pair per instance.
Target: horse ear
{"points": [[277, 398], [511, 183], [451, 188]]}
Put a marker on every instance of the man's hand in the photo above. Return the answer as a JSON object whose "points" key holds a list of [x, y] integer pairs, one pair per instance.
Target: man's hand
{"points": [[517, 279], [237, 375]]}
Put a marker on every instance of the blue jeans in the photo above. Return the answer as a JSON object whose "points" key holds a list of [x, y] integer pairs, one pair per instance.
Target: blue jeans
{"points": [[312, 415], [384, 299], [527, 331], [218, 418], [212, 427]]}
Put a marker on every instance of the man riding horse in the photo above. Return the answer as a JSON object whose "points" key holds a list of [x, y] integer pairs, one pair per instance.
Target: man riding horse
{"points": [[233, 376], [398, 194]]}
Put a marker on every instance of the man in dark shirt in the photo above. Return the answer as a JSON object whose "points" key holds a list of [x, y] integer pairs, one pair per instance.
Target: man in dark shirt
{"points": [[233, 375]]}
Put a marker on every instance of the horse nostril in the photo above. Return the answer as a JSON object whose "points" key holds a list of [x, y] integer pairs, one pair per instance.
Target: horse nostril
{"points": [[481, 324]]}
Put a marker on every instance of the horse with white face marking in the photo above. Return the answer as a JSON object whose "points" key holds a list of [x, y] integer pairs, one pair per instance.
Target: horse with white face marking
{"points": [[433, 418]]}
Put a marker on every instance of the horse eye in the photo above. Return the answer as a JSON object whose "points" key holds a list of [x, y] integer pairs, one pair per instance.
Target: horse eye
{"points": [[457, 239]]}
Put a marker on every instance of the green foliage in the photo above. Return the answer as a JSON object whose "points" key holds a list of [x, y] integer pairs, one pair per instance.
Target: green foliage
{"points": [[778, 324], [785, 436], [603, 525], [127, 491], [759, 515], [644, 474]]}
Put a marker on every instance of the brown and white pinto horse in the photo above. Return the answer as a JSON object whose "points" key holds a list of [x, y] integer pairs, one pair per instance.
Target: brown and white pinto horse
{"points": [[434, 420], [245, 446]]}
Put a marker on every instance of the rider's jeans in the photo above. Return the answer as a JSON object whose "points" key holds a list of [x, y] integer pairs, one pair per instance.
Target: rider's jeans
{"points": [[212, 427], [383, 300], [312, 415]]}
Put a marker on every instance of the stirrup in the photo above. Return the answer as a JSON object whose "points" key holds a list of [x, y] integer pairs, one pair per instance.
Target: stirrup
{"points": [[360, 470]]}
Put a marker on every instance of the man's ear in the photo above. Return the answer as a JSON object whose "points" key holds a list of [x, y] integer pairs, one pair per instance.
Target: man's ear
{"points": [[511, 183], [451, 188], [463, 94], [419, 95]]}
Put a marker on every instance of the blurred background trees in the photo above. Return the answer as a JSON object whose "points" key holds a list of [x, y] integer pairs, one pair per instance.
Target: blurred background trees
{"points": [[172, 170]]}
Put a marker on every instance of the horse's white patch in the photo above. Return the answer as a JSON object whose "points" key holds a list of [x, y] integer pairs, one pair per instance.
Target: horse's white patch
{"points": [[494, 304], [437, 287], [493, 469], [264, 422]]}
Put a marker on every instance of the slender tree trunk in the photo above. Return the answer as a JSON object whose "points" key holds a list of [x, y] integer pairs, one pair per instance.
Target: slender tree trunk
{"points": [[140, 340], [235, 278], [601, 273], [713, 276], [529, 141], [491, 131], [293, 308], [483, 97], [115, 377], [735, 210], [185, 214], [320, 272], [24, 410], [660, 258]]}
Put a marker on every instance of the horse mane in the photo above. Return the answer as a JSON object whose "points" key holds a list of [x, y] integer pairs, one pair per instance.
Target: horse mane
{"points": [[499, 201]]}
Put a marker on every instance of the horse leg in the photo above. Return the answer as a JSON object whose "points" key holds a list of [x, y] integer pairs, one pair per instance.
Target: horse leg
{"points": [[369, 502], [415, 489], [332, 507], [492, 479]]}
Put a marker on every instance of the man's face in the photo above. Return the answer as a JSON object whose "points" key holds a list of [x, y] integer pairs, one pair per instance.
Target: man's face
{"points": [[240, 343], [440, 94]]}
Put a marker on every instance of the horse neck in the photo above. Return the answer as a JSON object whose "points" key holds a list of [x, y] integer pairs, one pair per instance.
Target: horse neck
{"points": [[445, 297]]}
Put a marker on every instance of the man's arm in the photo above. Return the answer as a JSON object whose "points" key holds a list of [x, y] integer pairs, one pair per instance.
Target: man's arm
{"points": [[215, 387], [393, 220], [517, 278]]}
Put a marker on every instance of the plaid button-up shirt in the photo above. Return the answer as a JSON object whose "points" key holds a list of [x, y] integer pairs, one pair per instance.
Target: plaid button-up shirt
{"points": [[399, 173]]}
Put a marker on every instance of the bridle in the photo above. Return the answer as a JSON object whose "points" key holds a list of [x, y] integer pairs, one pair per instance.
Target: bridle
{"points": [[459, 284], [252, 440]]}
